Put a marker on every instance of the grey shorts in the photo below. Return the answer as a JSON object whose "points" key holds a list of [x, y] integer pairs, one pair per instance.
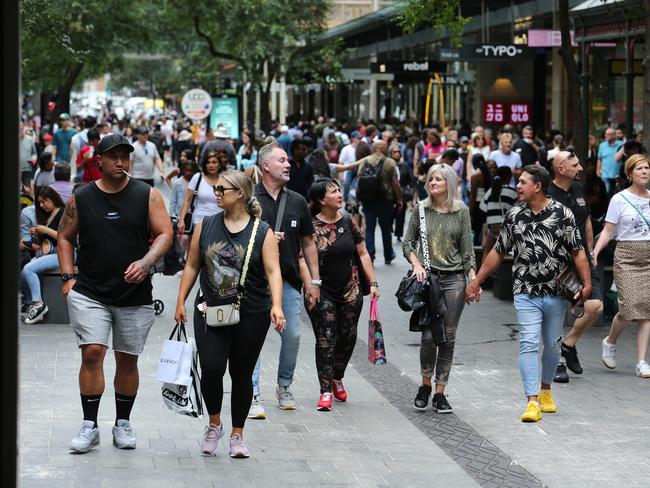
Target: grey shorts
{"points": [[92, 323]]}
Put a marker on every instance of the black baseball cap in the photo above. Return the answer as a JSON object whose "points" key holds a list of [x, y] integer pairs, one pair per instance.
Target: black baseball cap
{"points": [[113, 140]]}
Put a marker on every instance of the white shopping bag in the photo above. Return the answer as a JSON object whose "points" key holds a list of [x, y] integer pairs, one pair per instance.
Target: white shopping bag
{"points": [[175, 363], [186, 400]]}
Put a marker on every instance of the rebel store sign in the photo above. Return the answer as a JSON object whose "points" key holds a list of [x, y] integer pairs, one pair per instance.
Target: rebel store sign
{"points": [[501, 113]]}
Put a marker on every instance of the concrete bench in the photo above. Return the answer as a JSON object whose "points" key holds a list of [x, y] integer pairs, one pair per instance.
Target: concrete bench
{"points": [[57, 305]]}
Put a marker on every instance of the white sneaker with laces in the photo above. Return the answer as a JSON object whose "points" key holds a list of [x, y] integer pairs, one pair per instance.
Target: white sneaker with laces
{"points": [[86, 438], [257, 410], [608, 354], [123, 435], [643, 369]]}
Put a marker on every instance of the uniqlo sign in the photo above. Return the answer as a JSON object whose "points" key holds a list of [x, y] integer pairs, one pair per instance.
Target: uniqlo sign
{"points": [[494, 112], [520, 113]]}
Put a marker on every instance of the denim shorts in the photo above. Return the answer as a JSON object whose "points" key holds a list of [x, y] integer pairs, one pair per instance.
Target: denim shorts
{"points": [[92, 323]]}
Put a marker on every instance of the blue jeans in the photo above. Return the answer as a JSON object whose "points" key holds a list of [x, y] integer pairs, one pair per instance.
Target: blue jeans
{"points": [[382, 211], [290, 338], [539, 315], [30, 276]]}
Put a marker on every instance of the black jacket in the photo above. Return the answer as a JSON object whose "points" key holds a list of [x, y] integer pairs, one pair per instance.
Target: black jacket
{"points": [[432, 313]]}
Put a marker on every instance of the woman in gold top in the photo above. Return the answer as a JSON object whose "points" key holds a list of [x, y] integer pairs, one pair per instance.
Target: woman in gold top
{"points": [[451, 256]]}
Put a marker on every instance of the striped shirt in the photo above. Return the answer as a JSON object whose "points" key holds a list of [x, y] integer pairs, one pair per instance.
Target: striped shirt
{"points": [[496, 210]]}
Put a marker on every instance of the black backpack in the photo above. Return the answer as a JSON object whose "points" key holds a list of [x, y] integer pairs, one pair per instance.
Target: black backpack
{"points": [[369, 187]]}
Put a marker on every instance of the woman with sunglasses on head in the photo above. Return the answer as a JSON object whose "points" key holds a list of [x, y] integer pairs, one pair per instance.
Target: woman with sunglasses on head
{"points": [[201, 188], [226, 249], [628, 220], [335, 316], [480, 146]]}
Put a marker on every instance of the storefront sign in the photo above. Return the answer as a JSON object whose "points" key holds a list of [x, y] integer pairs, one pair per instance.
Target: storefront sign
{"points": [[225, 111], [500, 113], [409, 66], [618, 67], [547, 38], [196, 104], [494, 112], [483, 52], [520, 113]]}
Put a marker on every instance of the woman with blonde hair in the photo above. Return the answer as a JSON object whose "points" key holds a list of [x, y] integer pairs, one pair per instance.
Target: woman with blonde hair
{"points": [[229, 248], [451, 257], [628, 219]]}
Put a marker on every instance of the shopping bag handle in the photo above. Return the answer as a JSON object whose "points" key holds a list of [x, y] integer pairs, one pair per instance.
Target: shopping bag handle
{"points": [[374, 310], [179, 331]]}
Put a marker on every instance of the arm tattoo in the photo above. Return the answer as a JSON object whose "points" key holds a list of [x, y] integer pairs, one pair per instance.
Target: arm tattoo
{"points": [[69, 215]]}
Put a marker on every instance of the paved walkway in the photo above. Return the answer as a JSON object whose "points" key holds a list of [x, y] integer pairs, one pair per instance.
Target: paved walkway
{"points": [[599, 437]]}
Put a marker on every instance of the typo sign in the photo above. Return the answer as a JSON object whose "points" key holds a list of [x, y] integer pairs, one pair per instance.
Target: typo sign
{"points": [[408, 66], [485, 52]]}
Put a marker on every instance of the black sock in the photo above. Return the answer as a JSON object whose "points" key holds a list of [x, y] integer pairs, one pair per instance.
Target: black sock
{"points": [[123, 406], [90, 406]]}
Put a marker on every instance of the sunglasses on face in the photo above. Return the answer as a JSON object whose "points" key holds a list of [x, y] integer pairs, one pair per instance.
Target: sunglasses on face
{"points": [[570, 156], [221, 190]]}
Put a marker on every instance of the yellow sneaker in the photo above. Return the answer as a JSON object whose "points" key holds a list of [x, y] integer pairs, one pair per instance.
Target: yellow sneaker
{"points": [[546, 403], [532, 413]]}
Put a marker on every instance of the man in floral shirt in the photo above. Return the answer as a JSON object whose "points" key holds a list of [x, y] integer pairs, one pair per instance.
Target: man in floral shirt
{"points": [[544, 239]]}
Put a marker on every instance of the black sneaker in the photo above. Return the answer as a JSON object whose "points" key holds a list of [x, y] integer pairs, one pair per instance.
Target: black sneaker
{"points": [[440, 403], [561, 376], [36, 313], [570, 354], [422, 398]]}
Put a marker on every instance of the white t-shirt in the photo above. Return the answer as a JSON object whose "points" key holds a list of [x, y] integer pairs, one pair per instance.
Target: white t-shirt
{"points": [[205, 203], [631, 226], [348, 154], [512, 159], [143, 160]]}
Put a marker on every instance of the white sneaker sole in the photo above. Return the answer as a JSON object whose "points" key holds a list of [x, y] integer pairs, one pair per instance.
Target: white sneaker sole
{"points": [[643, 375], [38, 318], [609, 365], [421, 409], [257, 416], [74, 450]]}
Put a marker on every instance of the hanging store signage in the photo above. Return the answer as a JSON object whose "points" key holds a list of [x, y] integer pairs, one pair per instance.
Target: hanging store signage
{"points": [[196, 104], [483, 52], [409, 66], [547, 38], [225, 112]]}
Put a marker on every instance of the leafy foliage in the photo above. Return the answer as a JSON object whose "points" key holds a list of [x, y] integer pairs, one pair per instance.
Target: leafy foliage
{"points": [[438, 14]]}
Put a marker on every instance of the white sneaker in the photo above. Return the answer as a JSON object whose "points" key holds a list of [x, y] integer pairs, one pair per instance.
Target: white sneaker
{"points": [[86, 438], [123, 435], [257, 410], [609, 354], [643, 369]]}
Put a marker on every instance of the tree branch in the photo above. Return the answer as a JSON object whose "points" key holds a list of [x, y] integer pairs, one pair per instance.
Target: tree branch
{"points": [[211, 48]]}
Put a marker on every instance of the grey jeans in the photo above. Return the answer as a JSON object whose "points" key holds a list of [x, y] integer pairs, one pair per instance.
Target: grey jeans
{"points": [[437, 359]]}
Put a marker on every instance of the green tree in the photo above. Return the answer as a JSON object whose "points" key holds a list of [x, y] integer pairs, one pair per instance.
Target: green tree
{"points": [[64, 42], [268, 39], [439, 14]]}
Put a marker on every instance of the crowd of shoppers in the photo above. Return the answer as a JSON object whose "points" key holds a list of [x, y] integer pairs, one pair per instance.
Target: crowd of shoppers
{"points": [[309, 196]]}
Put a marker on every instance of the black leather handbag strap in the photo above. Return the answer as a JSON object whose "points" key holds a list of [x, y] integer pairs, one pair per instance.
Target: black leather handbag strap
{"points": [[195, 192], [278, 218]]}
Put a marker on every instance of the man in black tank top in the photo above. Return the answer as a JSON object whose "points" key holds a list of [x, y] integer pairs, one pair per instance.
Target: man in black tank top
{"points": [[122, 229]]}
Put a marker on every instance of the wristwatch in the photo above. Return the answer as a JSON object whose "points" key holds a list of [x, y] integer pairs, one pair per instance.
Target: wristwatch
{"points": [[375, 284], [317, 282], [68, 276]]}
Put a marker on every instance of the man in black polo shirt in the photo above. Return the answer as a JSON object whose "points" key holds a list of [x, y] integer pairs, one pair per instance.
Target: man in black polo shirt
{"points": [[527, 147], [569, 192], [301, 174], [296, 232]]}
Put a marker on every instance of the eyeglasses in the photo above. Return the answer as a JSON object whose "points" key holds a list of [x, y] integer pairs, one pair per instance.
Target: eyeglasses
{"points": [[221, 190]]}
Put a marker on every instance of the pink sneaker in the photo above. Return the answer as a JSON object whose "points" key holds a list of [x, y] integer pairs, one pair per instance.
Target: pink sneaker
{"points": [[210, 443], [340, 395], [325, 402], [237, 447]]}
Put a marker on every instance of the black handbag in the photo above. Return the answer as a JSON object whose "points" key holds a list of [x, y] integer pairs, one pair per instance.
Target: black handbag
{"points": [[411, 293], [568, 285]]}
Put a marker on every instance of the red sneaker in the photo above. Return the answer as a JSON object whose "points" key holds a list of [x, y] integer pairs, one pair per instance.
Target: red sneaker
{"points": [[324, 402], [340, 394]]}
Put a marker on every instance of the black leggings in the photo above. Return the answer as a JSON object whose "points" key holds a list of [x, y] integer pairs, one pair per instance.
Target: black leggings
{"points": [[335, 328], [239, 346]]}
